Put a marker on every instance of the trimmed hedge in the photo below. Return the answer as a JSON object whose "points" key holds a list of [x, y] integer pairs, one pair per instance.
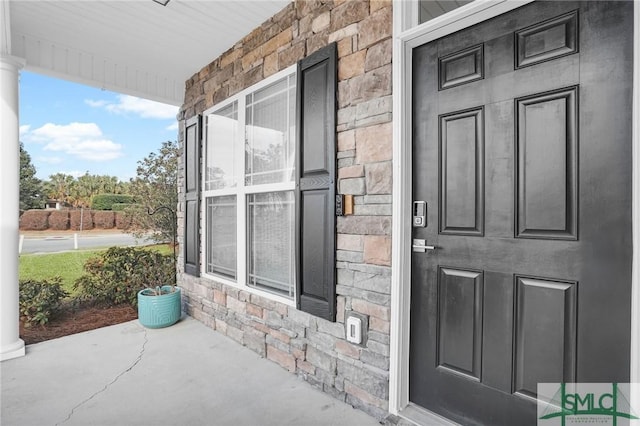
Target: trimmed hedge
{"points": [[104, 219], [106, 201], [122, 221], [59, 220], [119, 207], [62, 220], [35, 220], [87, 219]]}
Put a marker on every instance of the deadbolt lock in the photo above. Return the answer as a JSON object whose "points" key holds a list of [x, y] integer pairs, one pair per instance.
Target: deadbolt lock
{"points": [[419, 214]]}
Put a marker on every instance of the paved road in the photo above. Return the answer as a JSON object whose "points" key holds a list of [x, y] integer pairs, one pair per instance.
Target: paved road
{"points": [[52, 244]]}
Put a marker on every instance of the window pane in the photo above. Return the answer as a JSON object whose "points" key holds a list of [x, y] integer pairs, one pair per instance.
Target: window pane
{"points": [[222, 130], [221, 235], [430, 9], [270, 234], [270, 133]]}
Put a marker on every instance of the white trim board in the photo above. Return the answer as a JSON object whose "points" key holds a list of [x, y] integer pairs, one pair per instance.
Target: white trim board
{"points": [[405, 38]]}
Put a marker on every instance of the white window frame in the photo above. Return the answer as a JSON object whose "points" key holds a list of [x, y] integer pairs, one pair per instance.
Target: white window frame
{"points": [[241, 191]]}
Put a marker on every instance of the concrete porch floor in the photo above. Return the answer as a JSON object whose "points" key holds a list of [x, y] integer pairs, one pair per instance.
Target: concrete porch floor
{"points": [[186, 374]]}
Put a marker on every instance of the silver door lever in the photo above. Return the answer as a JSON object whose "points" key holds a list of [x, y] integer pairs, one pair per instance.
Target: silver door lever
{"points": [[420, 246]]}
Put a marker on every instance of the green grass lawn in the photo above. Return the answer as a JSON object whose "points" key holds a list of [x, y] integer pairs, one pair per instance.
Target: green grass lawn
{"points": [[66, 265], [162, 248]]}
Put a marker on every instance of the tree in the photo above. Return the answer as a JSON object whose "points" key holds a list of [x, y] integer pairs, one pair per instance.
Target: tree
{"points": [[86, 186], [58, 187], [80, 192], [155, 190], [31, 189]]}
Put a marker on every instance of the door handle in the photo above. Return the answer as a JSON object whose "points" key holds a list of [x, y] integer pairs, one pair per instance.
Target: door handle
{"points": [[420, 246]]}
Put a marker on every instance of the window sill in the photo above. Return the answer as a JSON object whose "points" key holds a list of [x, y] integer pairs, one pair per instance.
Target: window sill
{"points": [[251, 290]]}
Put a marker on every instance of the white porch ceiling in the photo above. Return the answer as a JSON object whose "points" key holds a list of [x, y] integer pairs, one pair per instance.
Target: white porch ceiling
{"points": [[135, 47]]}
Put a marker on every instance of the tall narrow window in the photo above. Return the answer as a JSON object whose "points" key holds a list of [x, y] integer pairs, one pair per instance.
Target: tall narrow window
{"points": [[220, 176], [269, 159], [249, 188]]}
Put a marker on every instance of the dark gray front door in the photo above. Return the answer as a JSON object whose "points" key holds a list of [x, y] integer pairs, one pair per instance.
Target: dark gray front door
{"points": [[522, 152]]}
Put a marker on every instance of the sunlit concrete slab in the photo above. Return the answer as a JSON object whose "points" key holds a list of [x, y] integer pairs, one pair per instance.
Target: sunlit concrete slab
{"points": [[186, 374]]}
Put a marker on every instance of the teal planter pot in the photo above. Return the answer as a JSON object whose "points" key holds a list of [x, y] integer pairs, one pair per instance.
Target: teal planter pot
{"points": [[159, 311]]}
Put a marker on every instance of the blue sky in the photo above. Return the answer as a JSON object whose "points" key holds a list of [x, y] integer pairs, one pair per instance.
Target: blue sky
{"points": [[73, 129]]}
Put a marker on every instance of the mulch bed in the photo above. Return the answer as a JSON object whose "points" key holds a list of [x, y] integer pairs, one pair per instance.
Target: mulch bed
{"points": [[76, 319]]}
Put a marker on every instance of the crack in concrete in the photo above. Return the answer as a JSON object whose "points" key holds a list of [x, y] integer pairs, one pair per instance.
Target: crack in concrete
{"points": [[131, 367]]}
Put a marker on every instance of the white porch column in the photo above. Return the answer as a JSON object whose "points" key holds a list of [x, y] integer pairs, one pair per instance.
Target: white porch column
{"points": [[11, 346]]}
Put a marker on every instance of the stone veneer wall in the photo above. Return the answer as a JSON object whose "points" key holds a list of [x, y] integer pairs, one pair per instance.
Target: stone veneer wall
{"points": [[311, 347]]}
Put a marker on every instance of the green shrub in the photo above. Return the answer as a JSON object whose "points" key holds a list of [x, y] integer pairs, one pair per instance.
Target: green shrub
{"points": [[117, 274], [119, 207], [106, 201], [40, 300]]}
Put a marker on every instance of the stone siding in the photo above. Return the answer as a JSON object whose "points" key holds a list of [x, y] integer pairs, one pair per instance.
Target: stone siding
{"points": [[308, 346]]}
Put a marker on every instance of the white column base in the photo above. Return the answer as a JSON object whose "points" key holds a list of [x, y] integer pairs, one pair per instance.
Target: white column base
{"points": [[15, 350]]}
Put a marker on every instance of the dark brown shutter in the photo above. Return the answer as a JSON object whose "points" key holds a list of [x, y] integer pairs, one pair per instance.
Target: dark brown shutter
{"points": [[192, 196], [316, 221]]}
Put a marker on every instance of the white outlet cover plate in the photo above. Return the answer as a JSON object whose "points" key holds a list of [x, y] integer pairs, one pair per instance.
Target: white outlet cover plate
{"points": [[354, 330]]}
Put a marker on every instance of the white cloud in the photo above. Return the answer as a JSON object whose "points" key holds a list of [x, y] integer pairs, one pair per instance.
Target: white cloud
{"points": [[143, 108], [95, 104], [75, 173], [24, 129], [95, 150], [173, 127], [50, 160], [62, 132], [80, 140]]}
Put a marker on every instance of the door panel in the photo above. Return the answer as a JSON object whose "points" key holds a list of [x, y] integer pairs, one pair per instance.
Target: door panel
{"points": [[462, 173], [461, 67], [460, 321], [521, 150], [546, 145], [545, 326], [547, 40]]}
